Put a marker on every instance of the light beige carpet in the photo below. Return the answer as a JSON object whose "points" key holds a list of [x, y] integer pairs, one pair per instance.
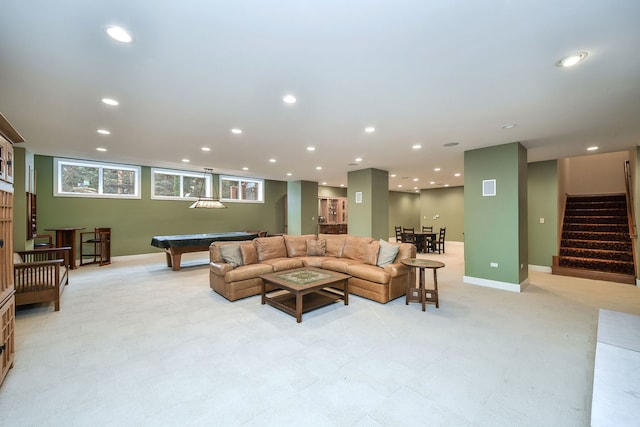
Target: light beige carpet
{"points": [[136, 343]]}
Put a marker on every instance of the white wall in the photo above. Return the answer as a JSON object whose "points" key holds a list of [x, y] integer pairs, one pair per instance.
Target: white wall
{"points": [[596, 174]]}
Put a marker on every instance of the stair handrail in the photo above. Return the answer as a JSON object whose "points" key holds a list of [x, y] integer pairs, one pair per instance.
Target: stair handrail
{"points": [[633, 230]]}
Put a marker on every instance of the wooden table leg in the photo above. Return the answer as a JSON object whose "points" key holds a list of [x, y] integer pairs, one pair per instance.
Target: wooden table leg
{"points": [[423, 293], [263, 292], [298, 307], [346, 292], [435, 285]]}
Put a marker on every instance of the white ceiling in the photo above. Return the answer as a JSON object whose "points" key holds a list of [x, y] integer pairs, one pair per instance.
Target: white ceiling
{"points": [[426, 72]]}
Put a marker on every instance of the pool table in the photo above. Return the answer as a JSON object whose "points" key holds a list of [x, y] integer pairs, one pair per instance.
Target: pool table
{"points": [[175, 246]]}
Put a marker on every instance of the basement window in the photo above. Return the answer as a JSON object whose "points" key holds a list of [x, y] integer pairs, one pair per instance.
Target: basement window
{"points": [[83, 178], [179, 185], [239, 189]]}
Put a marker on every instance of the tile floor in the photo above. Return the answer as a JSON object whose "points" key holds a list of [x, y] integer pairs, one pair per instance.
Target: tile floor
{"points": [[136, 343]]}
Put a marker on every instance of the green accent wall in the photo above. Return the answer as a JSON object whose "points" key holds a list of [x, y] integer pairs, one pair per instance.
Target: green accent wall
{"points": [[302, 205], [404, 211], [331, 192], [543, 203], [135, 222], [371, 217], [496, 226], [448, 204]]}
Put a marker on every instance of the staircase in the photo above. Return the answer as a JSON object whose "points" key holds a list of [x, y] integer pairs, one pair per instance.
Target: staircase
{"points": [[595, 242]]}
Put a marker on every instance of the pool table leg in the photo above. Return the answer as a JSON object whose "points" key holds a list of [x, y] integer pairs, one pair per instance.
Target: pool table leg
{"points": [[173, 259]]}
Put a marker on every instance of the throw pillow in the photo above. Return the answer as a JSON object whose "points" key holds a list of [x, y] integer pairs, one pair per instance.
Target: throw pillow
{"points": [[316, 247], [249, 253], [388, 253], [231, 254]]}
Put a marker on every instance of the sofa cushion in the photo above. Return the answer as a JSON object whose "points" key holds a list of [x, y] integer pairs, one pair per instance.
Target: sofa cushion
{"points": [[280, 264], [368, 272], [339, 264], [297, 245], [270, 247], [372, 253], [355, 247], [335, 243], [388, 253], [249, 253], [245, 272], [316, 247], [231, 254], [314, 261]]}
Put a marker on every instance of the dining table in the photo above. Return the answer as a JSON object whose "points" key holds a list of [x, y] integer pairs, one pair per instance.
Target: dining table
{"points": [[424, 241]]}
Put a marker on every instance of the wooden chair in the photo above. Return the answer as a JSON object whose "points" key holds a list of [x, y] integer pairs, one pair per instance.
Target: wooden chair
{"points": [[96, 245], [398, 233], [439, 244], [428, 243], [42, 241], [40, 275], [409, 236]]}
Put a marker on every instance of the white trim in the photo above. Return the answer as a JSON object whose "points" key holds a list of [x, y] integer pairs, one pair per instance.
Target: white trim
{"points": [[638, 282], [5, 186], [505, 286], [540, 268]]}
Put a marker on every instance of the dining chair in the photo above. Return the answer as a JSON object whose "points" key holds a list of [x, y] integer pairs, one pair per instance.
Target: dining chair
{"points": [[398, 233], [409, 236], [439, 244], [96, 245], [428, 242]]}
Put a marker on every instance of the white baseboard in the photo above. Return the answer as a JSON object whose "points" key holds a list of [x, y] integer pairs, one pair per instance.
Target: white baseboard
{"points": [[505, 286]]}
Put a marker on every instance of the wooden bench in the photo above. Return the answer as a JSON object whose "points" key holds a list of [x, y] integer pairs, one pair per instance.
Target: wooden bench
{"points": [[40, 275]]}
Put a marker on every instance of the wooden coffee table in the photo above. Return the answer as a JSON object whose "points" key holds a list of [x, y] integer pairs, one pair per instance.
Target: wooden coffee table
{"points": [[305, 289]]}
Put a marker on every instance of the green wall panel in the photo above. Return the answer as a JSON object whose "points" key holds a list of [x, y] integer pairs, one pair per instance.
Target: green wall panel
{"points": [[543, 203], [448, 205], [404, 210], [492, 225]]}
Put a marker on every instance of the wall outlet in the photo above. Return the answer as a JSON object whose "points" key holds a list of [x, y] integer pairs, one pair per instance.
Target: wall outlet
{"points": [[493, 264], [313, 218]]}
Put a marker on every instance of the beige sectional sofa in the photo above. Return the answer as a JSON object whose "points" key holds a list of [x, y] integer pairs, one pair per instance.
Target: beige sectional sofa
{"points": [[374, 266]]}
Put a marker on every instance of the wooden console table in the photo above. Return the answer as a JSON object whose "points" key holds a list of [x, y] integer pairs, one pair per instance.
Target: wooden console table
{"points": [[66, 236]]}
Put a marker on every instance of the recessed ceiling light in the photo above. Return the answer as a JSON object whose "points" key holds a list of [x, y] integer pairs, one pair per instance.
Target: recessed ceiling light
{"points": [[571, 60], [393, 175], [436, 169], [509, 126], [594, 148], [206, 149], [289, 174], [236, 131], [289, 99], [446, 185], [318, 168], [450, 144], [415, 188], [101, 149], [358, 159], [103, 132], [272, 160], [369, 129], [110, 101], [432, 182], [186, 160], [415, 179], [119, 34], [417, 191], [416, 146], [341, 185], [311, 148], [456, 174], [245, 168], [399, 185], [324, 182]]}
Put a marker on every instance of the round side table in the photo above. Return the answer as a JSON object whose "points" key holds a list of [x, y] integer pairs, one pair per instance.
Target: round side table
{"points": [[421, 265]]}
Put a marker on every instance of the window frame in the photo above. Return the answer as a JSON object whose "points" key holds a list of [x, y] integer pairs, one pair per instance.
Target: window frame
{"points": [[59, 163], [241, 179], [182, 174]]}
